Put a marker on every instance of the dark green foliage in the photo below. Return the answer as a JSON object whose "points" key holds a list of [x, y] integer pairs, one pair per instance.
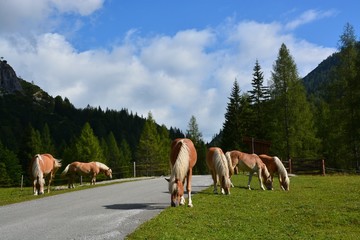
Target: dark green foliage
{"points": [[293, 132], [233, 131], [10, 169], [152, 154]]}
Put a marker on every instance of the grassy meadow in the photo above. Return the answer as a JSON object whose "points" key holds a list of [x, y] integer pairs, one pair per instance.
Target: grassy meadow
{"points": [[316, 207]]}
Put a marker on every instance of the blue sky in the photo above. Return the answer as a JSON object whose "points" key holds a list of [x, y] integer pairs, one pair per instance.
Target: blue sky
{"points": [[173, 58]]}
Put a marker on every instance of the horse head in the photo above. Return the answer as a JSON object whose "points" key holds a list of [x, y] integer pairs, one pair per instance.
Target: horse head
{"points": [[176, 189], [285, 184], [225, 184], [108, 173]]}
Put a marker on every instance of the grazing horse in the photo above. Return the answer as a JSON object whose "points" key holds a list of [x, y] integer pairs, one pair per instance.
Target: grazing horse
{"points": [[274, 165], [219, 169], [43, 165], [252, 163], [183, 158], [83, 168]]}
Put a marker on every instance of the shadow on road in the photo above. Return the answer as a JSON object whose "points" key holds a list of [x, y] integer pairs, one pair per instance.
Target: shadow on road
{"points": [[131, 206]]}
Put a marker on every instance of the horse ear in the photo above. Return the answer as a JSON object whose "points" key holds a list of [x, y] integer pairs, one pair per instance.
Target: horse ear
{"points": [[167, 179]]}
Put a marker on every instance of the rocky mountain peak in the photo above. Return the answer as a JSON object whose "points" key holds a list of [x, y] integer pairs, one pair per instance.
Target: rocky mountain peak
{"points": [[9, 82]]}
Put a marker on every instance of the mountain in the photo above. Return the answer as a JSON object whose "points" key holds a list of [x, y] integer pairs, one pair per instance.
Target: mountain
{"points": [[318, 79], [9, 82], [25, 106]]}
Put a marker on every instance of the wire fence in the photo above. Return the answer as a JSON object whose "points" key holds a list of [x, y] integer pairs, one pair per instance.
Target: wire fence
{"points": [[130, 171]]}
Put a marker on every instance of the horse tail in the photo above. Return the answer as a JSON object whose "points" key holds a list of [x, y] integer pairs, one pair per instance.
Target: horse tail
{"points": [[221, 165], [65, 170], [36, 168], [229, 163], [57, 163]]}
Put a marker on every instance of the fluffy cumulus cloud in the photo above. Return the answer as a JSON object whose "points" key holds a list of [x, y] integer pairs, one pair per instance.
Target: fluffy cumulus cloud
{"points": [[174, 77]]}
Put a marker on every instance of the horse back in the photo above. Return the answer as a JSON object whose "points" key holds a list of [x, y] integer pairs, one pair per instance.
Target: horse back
{"points": [[269, 162], [247, 162]]}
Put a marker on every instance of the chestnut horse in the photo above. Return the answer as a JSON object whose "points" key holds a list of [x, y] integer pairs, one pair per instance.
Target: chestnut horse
{"points": [[274, 165], [252, 163], [183, 158], [219, 169], [43, 165], [83, 168]]}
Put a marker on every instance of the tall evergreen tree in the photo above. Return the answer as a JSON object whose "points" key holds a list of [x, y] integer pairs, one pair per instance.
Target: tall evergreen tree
{"points": [[125, 159], [344, 95], [88, 147], [232, 134], [293, 132], [195, 135], [147, 154], [113, 157], [258, 95], [47, 142], [193, 131]]}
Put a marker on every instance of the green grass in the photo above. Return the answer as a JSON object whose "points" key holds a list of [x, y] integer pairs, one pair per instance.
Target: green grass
{"points": [[316, 207], [16, 195]]}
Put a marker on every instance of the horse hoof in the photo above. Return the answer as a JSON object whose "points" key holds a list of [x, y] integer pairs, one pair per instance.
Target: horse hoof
{"points": [[190, 205]]}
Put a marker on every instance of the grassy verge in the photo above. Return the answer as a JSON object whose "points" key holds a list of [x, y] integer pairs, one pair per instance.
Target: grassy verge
{"points": [[316, 207], [16, 195]]}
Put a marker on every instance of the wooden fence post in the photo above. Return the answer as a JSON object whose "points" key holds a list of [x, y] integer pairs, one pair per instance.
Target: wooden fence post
{"points": [[290, 166], [323, 166]]}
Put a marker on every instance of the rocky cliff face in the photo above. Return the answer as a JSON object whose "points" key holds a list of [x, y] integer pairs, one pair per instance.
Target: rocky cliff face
{"points": [[9, 82]]}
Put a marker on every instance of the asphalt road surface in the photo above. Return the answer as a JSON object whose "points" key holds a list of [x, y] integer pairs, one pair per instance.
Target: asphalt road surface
{"points": [[108, 212]]}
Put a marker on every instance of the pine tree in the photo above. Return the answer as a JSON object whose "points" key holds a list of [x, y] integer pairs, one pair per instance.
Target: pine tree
{"points": [[113, 156], [193, 131], [148, 148], [47, 143], [195, 135], [293, 132], [88, 147], [232, 134], [258, 97], [125, 159]]}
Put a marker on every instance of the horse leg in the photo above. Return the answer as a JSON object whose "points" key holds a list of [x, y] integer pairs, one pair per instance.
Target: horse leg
{"points": [[250, 177], [41, 185], [188, 187], [260, 179], [214, 177], [35, 187], [49, 183]]}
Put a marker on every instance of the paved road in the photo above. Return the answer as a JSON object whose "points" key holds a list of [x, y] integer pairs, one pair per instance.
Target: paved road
{"points": [[109, 212]]}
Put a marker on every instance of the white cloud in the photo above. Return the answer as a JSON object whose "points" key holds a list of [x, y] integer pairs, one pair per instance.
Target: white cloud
{"points": [[307, 17], [30, 15], [174, 77]]}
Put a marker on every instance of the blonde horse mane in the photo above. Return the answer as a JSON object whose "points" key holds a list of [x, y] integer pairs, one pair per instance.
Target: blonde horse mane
{"points": [[102, 166], [182, 163], [282, 170]]}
